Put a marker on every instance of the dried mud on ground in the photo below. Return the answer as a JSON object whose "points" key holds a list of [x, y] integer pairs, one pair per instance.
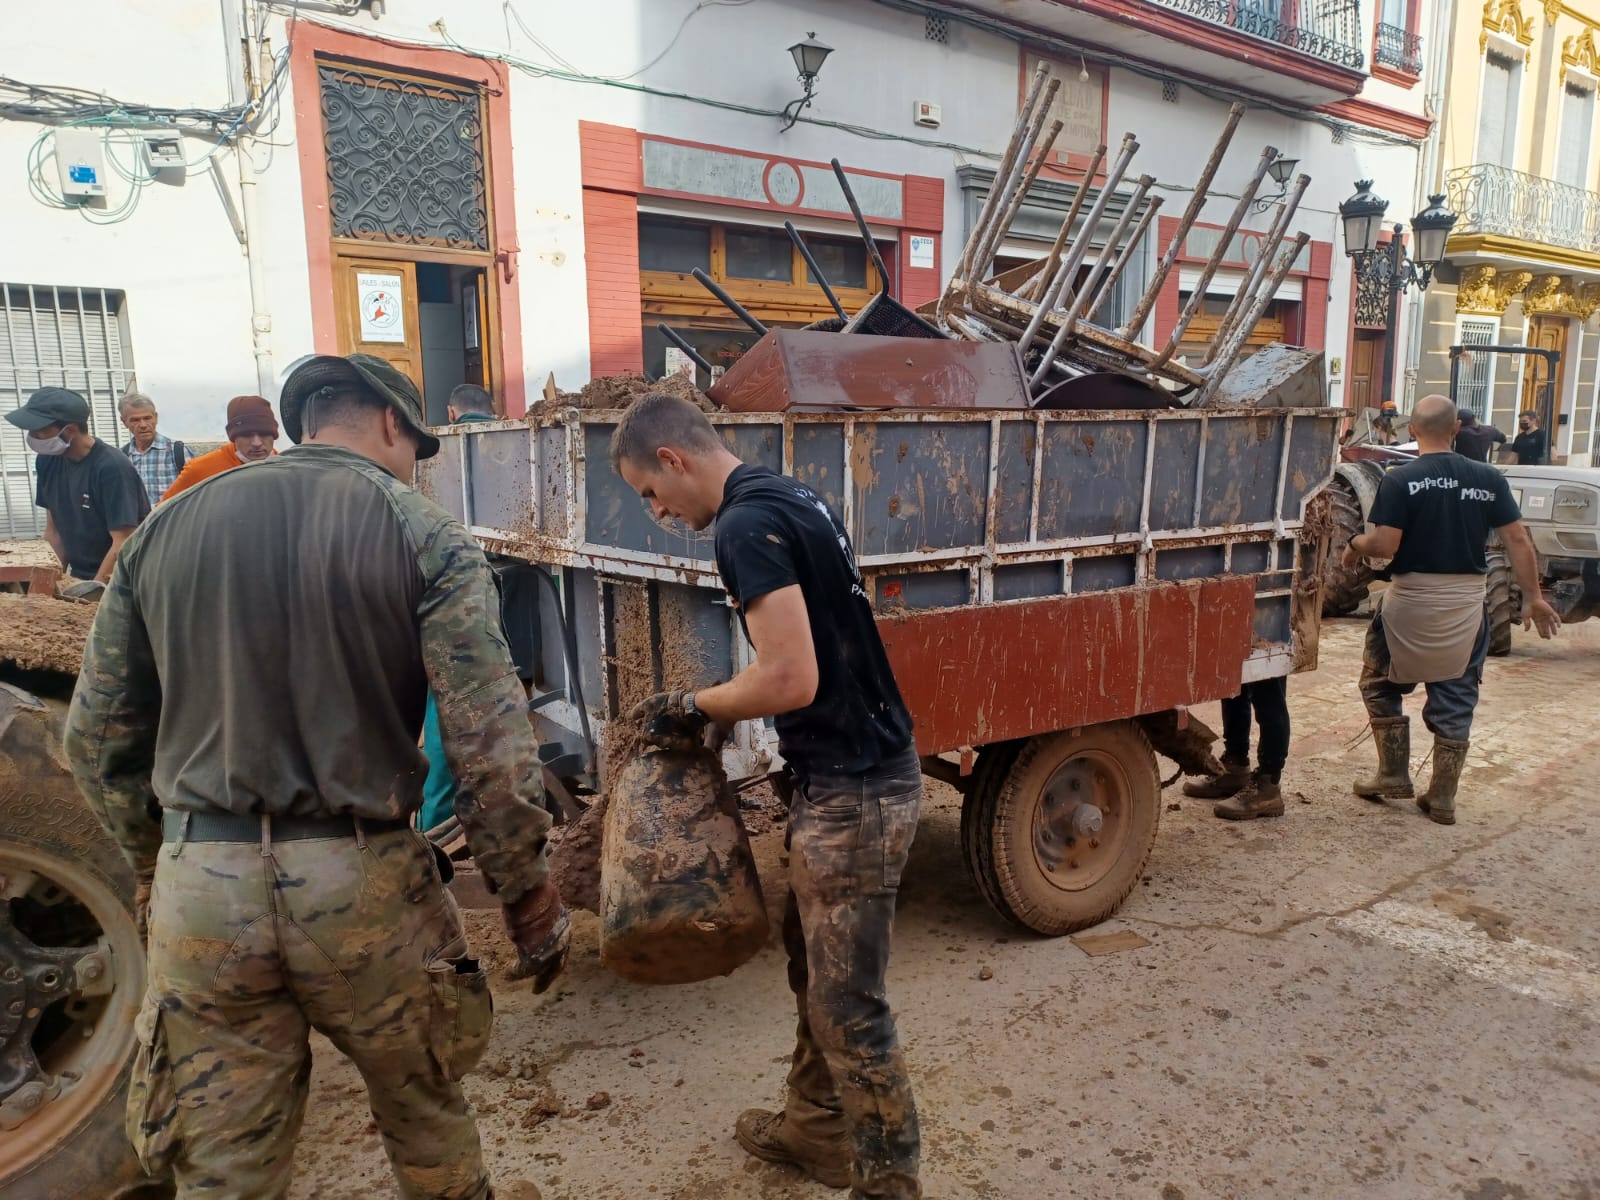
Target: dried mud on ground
{"points": [[1345, 1002], [38, 633]]}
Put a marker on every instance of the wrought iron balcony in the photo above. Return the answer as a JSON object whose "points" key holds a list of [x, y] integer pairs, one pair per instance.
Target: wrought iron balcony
{"points": [[1398, 49], [1326, 29], [1497, 200]]}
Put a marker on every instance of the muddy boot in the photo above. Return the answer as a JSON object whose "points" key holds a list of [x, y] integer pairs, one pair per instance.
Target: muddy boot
{"points": [[1392, 736], [772, 1138], [1235, 774], [1439, 801], [1261, 798]]}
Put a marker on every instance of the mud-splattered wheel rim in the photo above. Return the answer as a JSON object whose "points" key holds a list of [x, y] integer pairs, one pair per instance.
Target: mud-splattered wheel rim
{"points": [[1080, 822], [85, 1036]]}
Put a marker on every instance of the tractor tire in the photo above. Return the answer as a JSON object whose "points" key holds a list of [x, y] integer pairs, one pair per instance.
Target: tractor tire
{"points": [[1344, 589], [1056, 829], [1505, 602], [65, 1049]]}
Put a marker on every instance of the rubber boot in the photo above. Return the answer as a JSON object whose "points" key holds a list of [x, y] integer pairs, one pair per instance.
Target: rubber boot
{"points": [[1261, 798], [1392, 736], [1439, 801], [1235, 774], [772, 1137]]}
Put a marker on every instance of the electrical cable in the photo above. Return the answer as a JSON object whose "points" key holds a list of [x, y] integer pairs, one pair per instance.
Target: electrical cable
{"points": [[684, 24]]}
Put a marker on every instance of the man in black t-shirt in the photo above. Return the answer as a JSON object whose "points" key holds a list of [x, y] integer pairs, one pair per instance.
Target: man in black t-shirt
{"points": [[821, 671], [1530, 443], [92, 495], [1432, 519], [1476, 440]]}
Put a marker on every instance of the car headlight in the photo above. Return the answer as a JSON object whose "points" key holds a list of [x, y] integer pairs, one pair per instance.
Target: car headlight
{"points": [[1576, 506]]}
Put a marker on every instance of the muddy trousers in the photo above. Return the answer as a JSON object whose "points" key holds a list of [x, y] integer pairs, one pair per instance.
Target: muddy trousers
{"points": [[848, 841], [1269, 698], [1451, 702], [252, 945]]}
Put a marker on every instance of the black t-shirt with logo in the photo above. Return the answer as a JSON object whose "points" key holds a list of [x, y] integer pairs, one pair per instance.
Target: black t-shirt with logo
{"points": [[89, 498], [1529, 447], [771, 533], [1446, 505]]}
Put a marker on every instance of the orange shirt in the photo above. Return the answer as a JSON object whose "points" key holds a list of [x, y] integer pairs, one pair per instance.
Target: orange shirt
{"points": [[203, 467]]}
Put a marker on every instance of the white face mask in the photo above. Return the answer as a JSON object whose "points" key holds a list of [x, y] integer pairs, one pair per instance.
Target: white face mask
{"points": [[49, 447]]}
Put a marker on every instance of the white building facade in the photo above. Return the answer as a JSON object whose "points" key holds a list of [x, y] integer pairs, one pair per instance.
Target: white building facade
{"points": [[502, 193]]}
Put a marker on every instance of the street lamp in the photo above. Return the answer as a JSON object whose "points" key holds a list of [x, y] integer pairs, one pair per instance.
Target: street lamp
{"points": [[1280, 169], [1362, 216], [808, 56]]}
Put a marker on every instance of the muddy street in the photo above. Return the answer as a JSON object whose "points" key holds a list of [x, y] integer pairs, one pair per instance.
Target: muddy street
{"points": [[1347, 1001]]}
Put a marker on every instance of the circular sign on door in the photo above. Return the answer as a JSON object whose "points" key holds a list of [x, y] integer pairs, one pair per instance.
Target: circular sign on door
{"points": [[381, 306]]}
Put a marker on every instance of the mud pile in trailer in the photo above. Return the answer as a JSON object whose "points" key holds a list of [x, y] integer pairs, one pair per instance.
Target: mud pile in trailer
{"points": [[619, 391], [40, 633]]}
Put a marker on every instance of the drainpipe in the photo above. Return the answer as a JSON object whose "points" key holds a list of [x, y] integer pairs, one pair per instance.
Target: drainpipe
{"points": [[260, 315], [1429, 171], [242, 72]]}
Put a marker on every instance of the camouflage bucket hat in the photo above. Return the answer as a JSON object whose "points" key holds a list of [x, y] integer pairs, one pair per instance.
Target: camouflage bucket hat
{"points": [[390, 385]]}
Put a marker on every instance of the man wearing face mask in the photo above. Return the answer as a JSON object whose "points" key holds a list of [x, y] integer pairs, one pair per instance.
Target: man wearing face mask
{"points": [[270, 808], [91, 494]]}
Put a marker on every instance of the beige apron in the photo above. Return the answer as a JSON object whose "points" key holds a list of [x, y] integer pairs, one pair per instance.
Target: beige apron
{"points": [[1431, 623]]}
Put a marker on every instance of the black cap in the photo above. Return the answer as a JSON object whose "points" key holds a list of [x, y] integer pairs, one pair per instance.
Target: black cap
{"points": [[51, 406], [386, 381]]}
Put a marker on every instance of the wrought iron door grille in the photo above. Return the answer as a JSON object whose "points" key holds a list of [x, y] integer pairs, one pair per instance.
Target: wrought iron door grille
{"points": [[405, 159], [1399, 49], [1372, 301], [1475, 385]]}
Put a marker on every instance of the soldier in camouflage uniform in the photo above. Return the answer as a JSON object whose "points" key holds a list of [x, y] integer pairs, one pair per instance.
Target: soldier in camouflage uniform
{"points": [[245, 727]]}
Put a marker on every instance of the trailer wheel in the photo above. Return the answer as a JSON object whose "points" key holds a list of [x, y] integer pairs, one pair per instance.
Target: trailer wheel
{"points": [[1344, 589], [1056, 829], [71, 975], [1505, 602]]}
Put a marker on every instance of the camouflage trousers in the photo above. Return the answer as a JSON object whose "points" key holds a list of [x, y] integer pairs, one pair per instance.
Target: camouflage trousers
{"points": [[848, 841], [252, 945]]}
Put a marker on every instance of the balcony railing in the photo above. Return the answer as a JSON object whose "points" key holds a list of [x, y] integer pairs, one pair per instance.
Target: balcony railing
{"points": [[1497, 200], [1398, 49], [1325, 29]]}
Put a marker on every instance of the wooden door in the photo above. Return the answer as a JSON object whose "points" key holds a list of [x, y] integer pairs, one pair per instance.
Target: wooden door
{"points": [[1366, 357], [376, 303], [1544, 333]]}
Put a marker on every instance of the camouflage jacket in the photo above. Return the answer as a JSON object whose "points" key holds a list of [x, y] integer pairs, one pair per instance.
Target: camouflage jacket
{"points": [[267, 644]]}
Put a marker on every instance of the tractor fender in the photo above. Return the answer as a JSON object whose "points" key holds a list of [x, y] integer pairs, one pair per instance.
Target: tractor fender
{"points": [[1363, 477]]}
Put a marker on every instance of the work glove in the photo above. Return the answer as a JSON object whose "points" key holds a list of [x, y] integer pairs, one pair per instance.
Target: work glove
{"points": [[541, 931], [664, 721]]}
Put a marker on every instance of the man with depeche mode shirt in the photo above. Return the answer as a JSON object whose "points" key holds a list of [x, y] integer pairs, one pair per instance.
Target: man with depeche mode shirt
{"points": [[1432, 518]]}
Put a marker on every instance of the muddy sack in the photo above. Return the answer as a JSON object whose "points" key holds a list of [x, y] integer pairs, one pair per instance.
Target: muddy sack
{"points": [[680, 900]]}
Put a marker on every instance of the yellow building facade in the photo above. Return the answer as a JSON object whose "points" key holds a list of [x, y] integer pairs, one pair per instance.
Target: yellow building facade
{"points": [[1519, 160]]}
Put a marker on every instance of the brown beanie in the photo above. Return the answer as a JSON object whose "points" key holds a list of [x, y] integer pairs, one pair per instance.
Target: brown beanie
{"points": [[250, 414]]}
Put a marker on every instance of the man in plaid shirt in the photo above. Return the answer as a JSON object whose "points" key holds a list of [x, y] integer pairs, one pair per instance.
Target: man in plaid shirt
{"points": [[157, 458]]}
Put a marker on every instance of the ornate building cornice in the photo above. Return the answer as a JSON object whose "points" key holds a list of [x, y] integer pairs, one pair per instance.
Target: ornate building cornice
{"points": [[1486, 289], [1579, 51], [1505, 17]]}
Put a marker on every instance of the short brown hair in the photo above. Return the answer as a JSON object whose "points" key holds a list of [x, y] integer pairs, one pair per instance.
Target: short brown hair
{"points": [[655, 420]]}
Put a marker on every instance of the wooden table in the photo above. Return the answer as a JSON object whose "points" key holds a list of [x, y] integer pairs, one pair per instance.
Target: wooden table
{"points": [[30, 562]]}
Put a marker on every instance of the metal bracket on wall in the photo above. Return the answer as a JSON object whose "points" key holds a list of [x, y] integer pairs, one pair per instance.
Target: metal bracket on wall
{"points": [[226, 197]]}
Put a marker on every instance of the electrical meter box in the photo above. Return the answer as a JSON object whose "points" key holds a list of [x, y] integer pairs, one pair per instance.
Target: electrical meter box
{"points": [[81, 161], [162, 150]]}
